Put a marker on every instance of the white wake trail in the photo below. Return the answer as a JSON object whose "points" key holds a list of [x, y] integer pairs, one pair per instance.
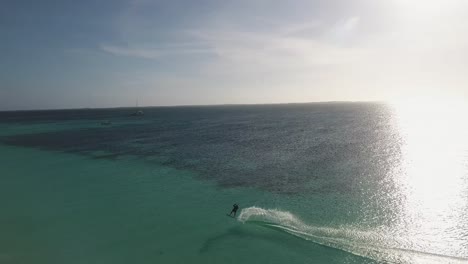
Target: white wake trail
{"points": [[373, 245]]}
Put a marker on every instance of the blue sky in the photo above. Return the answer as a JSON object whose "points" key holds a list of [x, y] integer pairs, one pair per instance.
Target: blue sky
{"points": [[102, 53]]}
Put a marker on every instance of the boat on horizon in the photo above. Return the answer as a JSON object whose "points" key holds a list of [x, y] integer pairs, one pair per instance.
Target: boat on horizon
{"points": [[137, 112]]}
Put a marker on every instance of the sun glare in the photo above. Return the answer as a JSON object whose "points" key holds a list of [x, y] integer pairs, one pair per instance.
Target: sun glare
{"points": [[423, 13], [433, 175]]}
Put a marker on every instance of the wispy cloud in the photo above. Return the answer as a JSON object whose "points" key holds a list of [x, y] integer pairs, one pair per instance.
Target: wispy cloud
{"points": [[350, 24], [153, 53], [132, 52], [344, 29], [285, 47], [271, 50]]}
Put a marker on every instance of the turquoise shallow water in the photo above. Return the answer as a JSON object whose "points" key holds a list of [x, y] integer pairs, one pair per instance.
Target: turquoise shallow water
{"points": [[339, 183], [63, 208]]}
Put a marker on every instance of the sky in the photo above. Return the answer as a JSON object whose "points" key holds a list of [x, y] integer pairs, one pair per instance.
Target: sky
{"points": [[113, 53]]}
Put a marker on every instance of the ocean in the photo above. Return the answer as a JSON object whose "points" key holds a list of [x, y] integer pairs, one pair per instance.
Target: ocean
{"points": [[316, 183]]}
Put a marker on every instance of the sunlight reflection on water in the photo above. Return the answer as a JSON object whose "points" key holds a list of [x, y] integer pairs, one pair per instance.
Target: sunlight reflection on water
{"points": [[432, 176]]}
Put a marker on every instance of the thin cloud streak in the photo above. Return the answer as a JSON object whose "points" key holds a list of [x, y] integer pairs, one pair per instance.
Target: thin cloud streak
{"points": [[131, 52], [152, 53]]}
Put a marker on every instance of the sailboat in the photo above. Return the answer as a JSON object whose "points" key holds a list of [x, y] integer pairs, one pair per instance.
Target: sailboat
{"points": [[137, 112]]}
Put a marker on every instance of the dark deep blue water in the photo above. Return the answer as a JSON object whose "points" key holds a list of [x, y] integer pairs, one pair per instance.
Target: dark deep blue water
{"points": [[261, 146]]}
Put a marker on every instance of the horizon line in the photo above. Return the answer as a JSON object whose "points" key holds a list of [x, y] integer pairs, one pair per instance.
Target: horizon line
{"points": [[191, 105]]}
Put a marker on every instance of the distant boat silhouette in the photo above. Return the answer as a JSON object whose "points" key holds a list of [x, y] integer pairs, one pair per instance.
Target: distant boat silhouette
{"points": [[137, 112]]}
